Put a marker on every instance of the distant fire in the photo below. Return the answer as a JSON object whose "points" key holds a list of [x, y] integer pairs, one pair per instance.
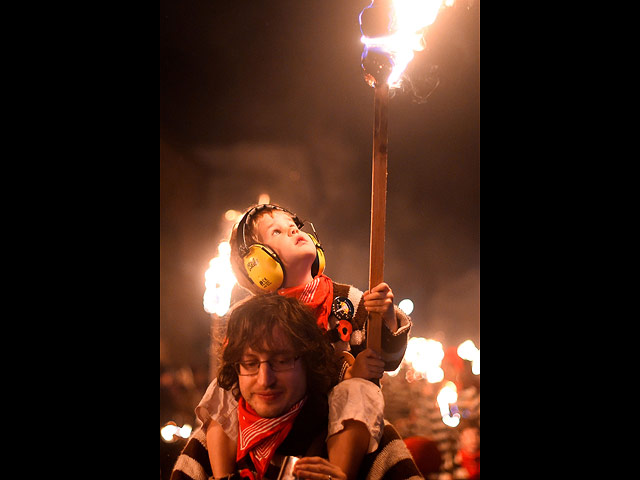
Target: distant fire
{"points": [[219, 282]]}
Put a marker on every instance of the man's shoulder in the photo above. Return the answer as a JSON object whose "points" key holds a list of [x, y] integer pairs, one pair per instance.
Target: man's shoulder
{"points": [[392, 459]]}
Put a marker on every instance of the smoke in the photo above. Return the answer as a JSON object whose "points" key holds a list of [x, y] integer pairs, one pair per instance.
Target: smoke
{"points": [[454, 309], [419, 84], [313, 176]]}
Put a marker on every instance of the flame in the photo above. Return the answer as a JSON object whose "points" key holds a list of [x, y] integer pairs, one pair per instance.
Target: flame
{"points": [[468, 351], [409, 19], [219, 282], [425, 356], [448, 396]]}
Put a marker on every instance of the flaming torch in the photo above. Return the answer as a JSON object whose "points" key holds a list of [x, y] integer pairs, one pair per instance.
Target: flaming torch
{"points": [[392, 30]]}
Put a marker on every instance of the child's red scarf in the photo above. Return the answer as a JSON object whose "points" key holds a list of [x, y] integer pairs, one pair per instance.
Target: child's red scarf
{"points": [[317, 294], [260, 437]]}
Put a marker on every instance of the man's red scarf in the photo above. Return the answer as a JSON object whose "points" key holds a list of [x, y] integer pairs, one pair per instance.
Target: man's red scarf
{"points": [[260, 437], [317, 294]]}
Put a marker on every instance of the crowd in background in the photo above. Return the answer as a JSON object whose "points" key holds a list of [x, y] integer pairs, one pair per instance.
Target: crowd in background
{"points": [[181, 388], [442, 452]]}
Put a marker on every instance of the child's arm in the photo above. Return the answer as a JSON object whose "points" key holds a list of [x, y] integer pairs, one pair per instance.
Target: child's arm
{"points": [[347, 448], [356, 423], [222, 451], [396, 334]]}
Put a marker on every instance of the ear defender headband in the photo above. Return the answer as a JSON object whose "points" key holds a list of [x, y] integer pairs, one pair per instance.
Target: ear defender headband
{"points": [[262, 266]]}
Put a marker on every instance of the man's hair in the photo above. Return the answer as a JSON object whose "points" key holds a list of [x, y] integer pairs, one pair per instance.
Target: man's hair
{"points": [[252, 323], [251, 237]]}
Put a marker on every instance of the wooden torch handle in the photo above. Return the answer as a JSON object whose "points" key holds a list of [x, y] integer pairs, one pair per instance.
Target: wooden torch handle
{"points": [[378, 206]]}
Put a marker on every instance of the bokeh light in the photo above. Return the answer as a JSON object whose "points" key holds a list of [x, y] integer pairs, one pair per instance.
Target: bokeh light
{"points": [[170, 431], [406, 306]]}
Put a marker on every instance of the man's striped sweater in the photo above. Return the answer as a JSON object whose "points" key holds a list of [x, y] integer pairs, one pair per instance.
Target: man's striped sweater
{"points": [[391, 461]]}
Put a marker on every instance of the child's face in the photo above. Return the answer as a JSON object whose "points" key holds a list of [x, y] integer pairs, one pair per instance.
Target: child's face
{"points": [[279, 232]]}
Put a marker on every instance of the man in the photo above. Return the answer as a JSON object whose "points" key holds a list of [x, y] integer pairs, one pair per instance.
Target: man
{"points": [[280, 367]]}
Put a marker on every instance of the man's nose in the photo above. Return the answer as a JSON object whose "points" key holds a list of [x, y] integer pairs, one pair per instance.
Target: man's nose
{"points": [[293, 230], [266, 376]]}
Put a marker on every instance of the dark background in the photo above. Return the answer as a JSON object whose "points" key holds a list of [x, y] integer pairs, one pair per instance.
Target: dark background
{"points": [[269, 97]]}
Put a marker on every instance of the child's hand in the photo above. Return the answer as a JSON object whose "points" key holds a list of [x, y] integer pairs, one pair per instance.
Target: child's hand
{"points": [[380, 299], [368, 365]]}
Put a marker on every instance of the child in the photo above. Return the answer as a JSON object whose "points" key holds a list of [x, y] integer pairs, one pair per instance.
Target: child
{"points": [[269, 252]]}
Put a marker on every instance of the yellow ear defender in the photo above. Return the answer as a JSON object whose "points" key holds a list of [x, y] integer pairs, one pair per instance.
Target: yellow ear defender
{"points": [[319, 263], [263, 267], [261, 264]]}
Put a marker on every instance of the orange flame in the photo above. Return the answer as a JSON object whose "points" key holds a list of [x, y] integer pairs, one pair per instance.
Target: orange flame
{"points": [[409, 19]]}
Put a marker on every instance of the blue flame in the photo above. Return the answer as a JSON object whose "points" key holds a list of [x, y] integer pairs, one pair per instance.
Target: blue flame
{"points": [[375, 48]]}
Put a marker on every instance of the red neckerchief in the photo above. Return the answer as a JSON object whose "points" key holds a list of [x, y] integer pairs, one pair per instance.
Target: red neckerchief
{"points": [[260, 437], [317, 294]]}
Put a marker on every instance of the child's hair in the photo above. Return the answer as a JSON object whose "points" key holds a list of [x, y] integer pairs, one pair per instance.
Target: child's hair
{"points": [[250, 237]]}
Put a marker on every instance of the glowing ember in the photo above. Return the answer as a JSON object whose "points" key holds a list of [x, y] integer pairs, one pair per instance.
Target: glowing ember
{"points": [[387, 53]]}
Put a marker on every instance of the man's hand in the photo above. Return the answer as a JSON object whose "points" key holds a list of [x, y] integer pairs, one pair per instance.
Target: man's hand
{"points": [[317, 468], [380, 299], [368, 365]]}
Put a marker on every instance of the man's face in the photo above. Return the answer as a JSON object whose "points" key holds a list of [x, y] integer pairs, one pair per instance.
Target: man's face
{"points": [[271, 393], [279, 232]]}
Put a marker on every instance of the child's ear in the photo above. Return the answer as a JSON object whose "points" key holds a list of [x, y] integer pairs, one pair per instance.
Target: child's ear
{"points": [[263, 268]]}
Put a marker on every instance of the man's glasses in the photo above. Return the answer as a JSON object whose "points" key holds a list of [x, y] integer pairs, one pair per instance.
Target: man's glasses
{"points": [[278, 364]]}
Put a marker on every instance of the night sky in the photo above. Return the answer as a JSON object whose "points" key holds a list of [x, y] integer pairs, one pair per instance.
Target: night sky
{"points": [[269, 97]]}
